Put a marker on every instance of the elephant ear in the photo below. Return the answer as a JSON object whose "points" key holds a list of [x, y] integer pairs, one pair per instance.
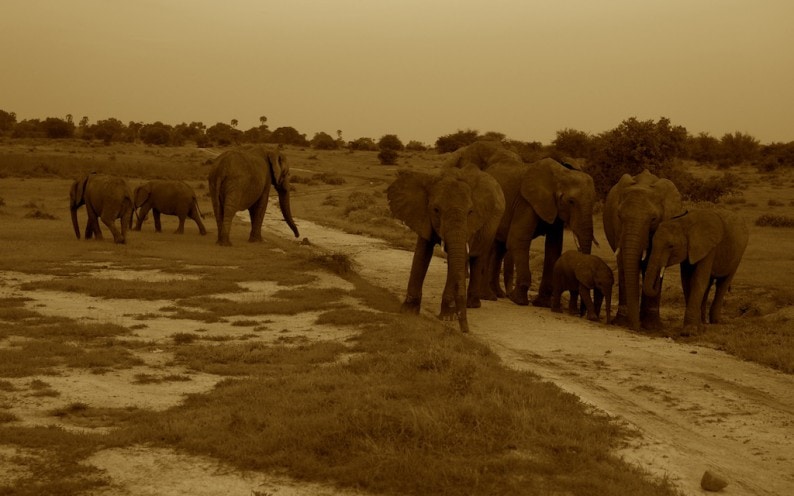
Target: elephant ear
{"points": [[278, 166], [486, 196], [671, 198], [539, 188], [78, 191], [141, 194], [408, 198], [703, 236], [585, 274]]}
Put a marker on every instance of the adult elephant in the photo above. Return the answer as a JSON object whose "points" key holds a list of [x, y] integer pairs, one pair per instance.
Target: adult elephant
{"points": [[461, 208], [634, 208], [105, 197], [542, 199], [709, 245], [241, 180], [170, 197]]}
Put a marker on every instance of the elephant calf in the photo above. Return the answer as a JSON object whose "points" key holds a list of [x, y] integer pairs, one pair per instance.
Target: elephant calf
{"points": [[578, 273], [106, 198], [170, 197]]}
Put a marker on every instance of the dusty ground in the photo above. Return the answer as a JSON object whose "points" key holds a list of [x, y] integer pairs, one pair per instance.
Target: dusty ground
{"points": [[696, 408]]}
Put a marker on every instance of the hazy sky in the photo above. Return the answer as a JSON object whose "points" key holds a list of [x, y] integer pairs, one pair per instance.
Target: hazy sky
{"points": [[416, 68]]}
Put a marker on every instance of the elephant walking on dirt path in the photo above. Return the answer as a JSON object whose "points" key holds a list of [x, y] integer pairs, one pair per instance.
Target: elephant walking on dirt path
{"points": [[241, 180]]}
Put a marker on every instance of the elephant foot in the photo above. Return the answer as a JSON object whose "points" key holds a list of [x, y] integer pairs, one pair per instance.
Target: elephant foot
{"points": [[592, 318], [410, 306], [621, 320], [499, 292], [519, 297], [223, 242], [556, 309], [542, 301], [447, 316], [691, 329], [490, 295], [473, 302], [652, 324]]}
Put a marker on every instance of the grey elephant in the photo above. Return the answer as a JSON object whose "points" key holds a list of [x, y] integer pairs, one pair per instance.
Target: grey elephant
{"points": [[460, 208], [241, 180], [708, 245], [633, 210], [542, 198], [579, 273], [105, 197], [170, 197]]}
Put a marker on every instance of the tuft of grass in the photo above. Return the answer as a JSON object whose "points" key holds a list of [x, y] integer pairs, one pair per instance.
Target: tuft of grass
{"points": [[772, 220], [136, 290], [347, 317], [337, 262]]}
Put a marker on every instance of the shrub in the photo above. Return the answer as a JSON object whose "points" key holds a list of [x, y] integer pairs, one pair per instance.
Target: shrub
{"points": [[367, 144], [330, 178], [323, 141], [388, 157], [390, 142], [770, 220], [415, 146], [575, 143], [451, 142]]}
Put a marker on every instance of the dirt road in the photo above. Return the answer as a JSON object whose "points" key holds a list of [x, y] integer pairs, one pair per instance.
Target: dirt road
{"points": [[695, 408]]}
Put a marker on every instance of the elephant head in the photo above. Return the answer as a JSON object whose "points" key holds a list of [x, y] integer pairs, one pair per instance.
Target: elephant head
{"points": [[280, 178], [688, 237], [634, 208], [141, 194], [451, 208], [483, 154], [556, 191], [76, 200]]}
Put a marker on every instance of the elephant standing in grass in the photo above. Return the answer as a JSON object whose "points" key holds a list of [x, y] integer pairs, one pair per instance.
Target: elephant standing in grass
{"points": [[542, 199], [170, 197], [241, 180], [708, 245], [633, 210], [578, 273], [105, 197], [460, 208]]}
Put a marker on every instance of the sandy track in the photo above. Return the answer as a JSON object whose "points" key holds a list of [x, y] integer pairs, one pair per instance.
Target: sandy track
{"points": [[695, 408]]}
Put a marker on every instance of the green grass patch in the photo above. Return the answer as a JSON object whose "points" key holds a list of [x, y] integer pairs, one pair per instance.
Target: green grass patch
{"points": [[351, 317], [44, 357], [136, 290], [772, 220]]}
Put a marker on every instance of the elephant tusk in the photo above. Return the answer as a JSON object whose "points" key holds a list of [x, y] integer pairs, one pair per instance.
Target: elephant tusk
{"points": [[576, 243], [661, 273]]}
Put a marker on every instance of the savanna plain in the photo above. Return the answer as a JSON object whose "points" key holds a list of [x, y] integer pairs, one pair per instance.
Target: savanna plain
{"points": [[170, 365]]}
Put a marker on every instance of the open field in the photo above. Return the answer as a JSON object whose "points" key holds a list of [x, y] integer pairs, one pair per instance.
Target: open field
{"points": [[273, 359]]}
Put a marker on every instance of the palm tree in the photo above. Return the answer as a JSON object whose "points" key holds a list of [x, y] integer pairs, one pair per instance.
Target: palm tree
{"points": [[234, 123]]}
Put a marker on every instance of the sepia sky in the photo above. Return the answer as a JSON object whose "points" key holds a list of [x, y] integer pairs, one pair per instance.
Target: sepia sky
{"points": [[416, 68]]}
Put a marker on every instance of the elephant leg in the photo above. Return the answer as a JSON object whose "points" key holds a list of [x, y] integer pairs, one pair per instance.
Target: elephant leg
{"points": [[157, 226], [92, 226], [509, 272], [142, 213], [553, 249], [519, 239], [423, 253], [589, 306], [257, 212], [621, 316], [704, 305], [573, 302], [598, 299], [109, 220], [476, 285], [495, 269], [194, 214], [698, 286], [722, 286], [181, 228]]}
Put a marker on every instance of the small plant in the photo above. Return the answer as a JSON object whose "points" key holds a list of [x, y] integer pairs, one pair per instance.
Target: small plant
{"points": [[770, 220]]}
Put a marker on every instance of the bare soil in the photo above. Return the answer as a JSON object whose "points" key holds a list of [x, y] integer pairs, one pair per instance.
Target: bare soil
{"points": [[694, 408]]}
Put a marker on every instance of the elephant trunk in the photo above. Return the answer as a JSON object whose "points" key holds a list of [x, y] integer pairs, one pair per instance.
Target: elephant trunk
{"points": [[75, 222], [284, 204], [634, 243], [654, 275], [457, 258], [608, 303], [583, 230]]}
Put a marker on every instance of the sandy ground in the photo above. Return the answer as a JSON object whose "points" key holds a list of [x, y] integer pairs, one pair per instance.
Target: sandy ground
{"points": [[695, 408]]}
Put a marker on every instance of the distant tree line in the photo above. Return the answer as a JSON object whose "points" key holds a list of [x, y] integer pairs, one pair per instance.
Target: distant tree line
{"points": [[632, 146]]}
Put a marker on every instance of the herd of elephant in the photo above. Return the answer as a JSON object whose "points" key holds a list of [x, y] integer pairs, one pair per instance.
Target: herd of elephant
{"points": [[485, 207]]}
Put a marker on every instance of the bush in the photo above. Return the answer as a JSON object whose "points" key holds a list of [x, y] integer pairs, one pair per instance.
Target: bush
{"points": [[770, 220], [577, 144], [415, 146], [390, 142], [451, 142], [323, 141], [367, 144], [388, 157], [330, 178]]}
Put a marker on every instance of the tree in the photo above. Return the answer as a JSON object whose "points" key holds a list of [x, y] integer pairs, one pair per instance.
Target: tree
{"points": [[633, 146], [56, 128], [323, 141], [737, 148], [223, 134], [703, 148], [234, 123], [367, 144], [459, 139], [416, 146], [577, 144], [390, 142], [107, 130], [286, 135], [157, 134], [262, 120], [7, 121]]}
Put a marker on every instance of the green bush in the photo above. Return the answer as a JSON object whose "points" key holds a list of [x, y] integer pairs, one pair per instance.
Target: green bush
{"points": [[388, 157], [390, 142]]}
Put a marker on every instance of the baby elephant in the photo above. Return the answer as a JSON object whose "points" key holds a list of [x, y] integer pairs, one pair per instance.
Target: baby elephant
{"points": [[170, 197], [578, 273]]}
